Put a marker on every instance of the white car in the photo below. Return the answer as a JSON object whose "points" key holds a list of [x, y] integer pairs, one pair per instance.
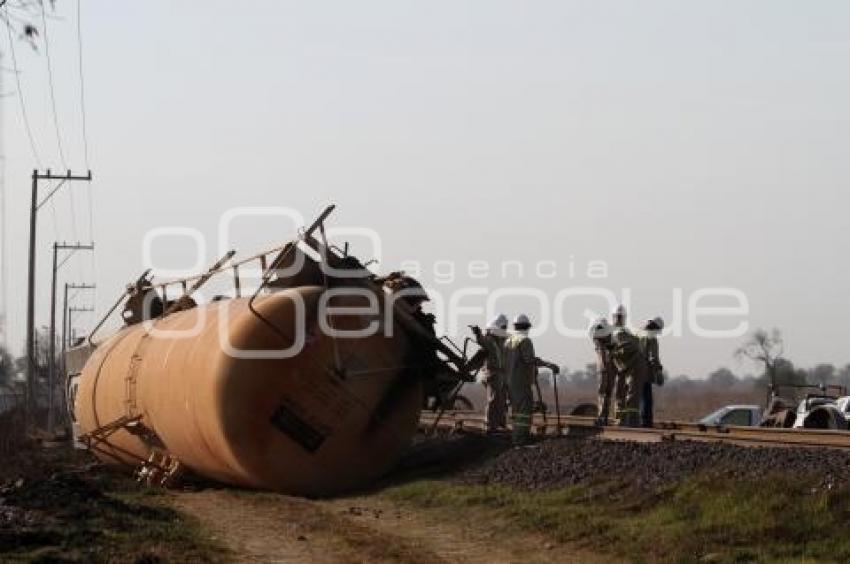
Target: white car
{"points": [[843, 404], [822, 412], [734, 415]]}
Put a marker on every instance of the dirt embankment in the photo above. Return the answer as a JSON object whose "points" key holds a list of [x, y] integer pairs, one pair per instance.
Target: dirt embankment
{"points": [[260, 527], [371, 527], [58, 505]]}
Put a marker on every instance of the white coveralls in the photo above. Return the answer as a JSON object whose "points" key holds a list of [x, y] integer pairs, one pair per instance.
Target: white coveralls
{"points": [[493, 341], [521, 371], [632, 373], [607, 374]]}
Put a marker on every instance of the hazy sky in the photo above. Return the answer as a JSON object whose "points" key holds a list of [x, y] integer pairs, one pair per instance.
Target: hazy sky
{"points": [[686, 144]]}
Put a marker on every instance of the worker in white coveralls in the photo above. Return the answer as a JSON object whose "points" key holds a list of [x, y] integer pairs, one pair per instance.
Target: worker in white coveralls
{"points": [[632, 370], [618, 320], [521, 369], [493, 343], [600, 333]]}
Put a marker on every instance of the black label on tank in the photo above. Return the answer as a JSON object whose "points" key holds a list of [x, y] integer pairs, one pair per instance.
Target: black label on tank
{"points": [[293, 426]]}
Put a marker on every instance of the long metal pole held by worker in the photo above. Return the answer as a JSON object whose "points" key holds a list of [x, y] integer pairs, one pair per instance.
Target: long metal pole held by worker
{"points": [[51, 361], [35, 205]]}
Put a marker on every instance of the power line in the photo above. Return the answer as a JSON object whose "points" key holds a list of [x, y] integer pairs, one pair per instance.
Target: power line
{"points": [[73, 207], [17, 74], [71, 196], [50, 83], [82, 88], [89, 193], [55, 220]]}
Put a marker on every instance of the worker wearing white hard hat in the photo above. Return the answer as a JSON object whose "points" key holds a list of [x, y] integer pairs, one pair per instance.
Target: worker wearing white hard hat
{"points": [[654, 325], [600, 333], [618, 316], [499, 323], [618, 322], [492, 343], [521, 366], [649, 347], [632, 370]]}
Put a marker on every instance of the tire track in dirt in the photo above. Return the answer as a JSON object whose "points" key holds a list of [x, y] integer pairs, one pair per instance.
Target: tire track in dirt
{"points": [[265, 527], [261, 527]]}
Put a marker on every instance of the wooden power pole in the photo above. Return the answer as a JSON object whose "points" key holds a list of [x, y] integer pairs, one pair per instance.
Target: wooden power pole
{"points": [[51, 361], [35, 205]]}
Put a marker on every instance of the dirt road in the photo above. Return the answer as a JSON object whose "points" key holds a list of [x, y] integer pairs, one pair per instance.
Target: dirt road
{"points": [[262, 527]]}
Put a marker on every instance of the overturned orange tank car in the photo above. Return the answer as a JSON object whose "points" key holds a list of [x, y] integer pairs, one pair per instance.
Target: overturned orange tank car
{"points": [[311, 385]]}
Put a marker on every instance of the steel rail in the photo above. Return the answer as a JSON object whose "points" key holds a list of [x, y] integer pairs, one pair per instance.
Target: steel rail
{"points": [[577, 426]]}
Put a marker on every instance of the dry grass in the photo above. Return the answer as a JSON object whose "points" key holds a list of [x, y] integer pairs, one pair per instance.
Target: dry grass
{"points": [[677, 400], [689, 403]]}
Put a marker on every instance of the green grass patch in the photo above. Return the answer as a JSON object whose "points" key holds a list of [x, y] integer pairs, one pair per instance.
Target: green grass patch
{"points": [[779, 518]]}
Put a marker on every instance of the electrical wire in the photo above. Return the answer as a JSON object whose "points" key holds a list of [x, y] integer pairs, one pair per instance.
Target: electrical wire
{"points": [[71, 195], [89, 192], [82, 87], [55, 220], [17, 74], [50, 84]]}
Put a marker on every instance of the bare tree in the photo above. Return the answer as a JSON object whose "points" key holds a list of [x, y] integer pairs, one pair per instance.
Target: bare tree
{"points": [[765, 348], [19, 15]]}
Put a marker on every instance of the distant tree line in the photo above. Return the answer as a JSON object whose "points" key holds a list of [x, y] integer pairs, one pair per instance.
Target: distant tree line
{"points": [[764, 348], [11, 367]]}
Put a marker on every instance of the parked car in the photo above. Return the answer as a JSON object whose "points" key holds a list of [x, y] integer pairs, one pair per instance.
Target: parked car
{"points": [[843, 404], [736, 415], [822, 412]]}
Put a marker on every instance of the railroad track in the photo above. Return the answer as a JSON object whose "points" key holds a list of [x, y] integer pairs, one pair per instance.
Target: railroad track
{"points": [[578, 426]]}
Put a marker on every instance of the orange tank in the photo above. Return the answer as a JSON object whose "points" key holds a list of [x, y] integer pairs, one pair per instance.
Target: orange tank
{"points": [[298, 425]]}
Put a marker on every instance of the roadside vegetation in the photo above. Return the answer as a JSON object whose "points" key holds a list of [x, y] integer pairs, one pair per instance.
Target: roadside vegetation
{"points": [[778, 518]]}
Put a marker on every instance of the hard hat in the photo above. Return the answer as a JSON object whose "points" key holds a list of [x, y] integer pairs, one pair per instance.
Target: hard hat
{"points": [[600, 329], [499, 322], [522, 319], [620, 310], [656, 324]]}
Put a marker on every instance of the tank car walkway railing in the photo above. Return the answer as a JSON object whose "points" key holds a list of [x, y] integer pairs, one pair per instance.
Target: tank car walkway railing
{"points": [[269, 269], [577, 426], [190, 284]]}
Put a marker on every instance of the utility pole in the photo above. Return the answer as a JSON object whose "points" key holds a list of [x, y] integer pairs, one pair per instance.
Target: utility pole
{"points": [[4, 240], [51, 361], [66, 334], [35, 205], [71, 311]]}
